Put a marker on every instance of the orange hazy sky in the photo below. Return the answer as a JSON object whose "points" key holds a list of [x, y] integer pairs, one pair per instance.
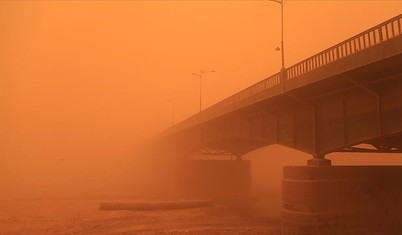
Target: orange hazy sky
{"points": [[81, 82]]}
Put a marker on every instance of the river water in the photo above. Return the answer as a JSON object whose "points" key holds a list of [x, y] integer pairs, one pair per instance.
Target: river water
{"points": [[44, 216]]}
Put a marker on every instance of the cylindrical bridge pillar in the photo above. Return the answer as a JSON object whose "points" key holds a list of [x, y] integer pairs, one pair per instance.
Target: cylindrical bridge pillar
{"points": [[342, 200]]}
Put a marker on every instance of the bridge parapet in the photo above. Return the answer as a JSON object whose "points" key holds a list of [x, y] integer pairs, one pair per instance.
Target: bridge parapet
{"points": [[367, 39], [363, 41]]}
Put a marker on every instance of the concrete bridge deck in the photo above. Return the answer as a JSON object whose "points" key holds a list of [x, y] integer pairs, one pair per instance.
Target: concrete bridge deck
{"points": [[348, 94]]}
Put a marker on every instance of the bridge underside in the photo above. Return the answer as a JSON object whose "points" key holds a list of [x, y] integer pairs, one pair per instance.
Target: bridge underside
{"points": [[230, 146]]}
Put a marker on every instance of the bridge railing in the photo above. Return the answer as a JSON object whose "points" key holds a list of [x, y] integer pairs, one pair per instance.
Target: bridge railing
{"points": [[362, 41], [258, 87], [369, 38]]}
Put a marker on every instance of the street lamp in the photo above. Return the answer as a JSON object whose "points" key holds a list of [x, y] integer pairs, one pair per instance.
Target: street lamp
{"points": [[282, 2], [200, 76]]}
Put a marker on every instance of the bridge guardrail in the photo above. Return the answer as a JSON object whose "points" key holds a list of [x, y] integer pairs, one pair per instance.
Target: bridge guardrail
{"points": [[362, 41], [259, 86]]}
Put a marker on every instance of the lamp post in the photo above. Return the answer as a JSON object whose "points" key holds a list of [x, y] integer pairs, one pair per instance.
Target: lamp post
{"points": [[200, 76], [282, 2]]}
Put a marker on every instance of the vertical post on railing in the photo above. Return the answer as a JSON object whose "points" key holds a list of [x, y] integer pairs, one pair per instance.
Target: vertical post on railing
{"points": [[380, 33], [283, 78], [336, 53], [359, 43], [364, 41], [386, 32]]}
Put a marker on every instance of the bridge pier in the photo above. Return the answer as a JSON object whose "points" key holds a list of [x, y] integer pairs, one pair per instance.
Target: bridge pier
{"points": [[342, 200]]}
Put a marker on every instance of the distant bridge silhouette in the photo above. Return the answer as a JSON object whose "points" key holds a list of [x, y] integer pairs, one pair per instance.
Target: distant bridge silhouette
{"points": [[348, 94]]}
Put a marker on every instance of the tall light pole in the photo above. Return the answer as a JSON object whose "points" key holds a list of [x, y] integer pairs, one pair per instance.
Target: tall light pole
{"points": [[282, 2], [200, 76]]}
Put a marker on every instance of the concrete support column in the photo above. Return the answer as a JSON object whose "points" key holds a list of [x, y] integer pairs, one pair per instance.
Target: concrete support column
{"points": [[342, 200]]}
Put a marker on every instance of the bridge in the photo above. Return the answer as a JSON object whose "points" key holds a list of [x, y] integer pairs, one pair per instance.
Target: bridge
{"points": [[346, 95], [347, 98]]}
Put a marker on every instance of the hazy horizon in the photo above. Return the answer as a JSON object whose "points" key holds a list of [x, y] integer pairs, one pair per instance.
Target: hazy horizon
{"points": [[85, 82]]}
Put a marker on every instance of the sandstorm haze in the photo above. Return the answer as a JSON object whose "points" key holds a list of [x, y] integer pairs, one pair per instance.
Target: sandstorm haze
{"points": [[83, 83]]}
